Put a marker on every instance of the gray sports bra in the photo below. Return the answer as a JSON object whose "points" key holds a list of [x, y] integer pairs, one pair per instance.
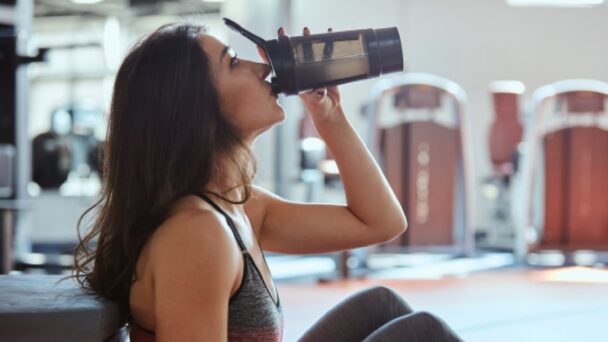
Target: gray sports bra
{"points": [[253, 315]]}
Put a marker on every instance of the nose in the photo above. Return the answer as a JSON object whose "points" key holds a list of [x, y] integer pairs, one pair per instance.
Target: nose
{"points": [[262, 70]]}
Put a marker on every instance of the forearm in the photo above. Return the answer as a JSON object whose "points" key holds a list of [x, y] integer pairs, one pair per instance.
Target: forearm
{"points": [[368, 195]]}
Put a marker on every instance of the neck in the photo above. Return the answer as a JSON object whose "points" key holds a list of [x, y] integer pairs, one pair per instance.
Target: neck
{"points": [[232, 209], [224, 185], [227, 183]]}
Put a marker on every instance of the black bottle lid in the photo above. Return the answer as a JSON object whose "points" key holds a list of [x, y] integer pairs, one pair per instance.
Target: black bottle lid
{"points": [[282, 62], [384, 48]]}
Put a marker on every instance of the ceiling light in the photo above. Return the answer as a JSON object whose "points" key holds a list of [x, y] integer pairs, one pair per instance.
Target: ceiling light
{"points": [[86, 2], [555, 3]]}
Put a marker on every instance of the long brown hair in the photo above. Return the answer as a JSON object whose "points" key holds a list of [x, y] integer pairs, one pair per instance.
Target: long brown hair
{"points": [[166, 137]]}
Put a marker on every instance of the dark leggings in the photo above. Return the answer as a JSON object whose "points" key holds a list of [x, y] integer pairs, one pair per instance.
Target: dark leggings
{"points": [[377, 314]]}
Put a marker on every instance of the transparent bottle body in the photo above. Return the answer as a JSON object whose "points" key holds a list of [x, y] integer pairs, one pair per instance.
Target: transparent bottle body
{"points": [[329, 59]]}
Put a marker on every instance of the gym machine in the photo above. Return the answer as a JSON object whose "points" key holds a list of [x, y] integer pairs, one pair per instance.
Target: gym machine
{"points": [[560, 214], [419, 131]]}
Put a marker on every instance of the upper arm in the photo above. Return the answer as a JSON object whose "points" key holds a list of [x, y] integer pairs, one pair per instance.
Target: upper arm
{"points": [[194, 270], [302, 228]]}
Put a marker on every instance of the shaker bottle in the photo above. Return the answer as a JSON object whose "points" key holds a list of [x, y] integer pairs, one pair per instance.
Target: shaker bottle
{"points": [[327, 59]]}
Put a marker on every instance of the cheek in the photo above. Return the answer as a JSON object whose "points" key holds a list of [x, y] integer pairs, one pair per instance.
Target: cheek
{"points": [[243, 100], [230, 103], [246, 105], [238, 110], [234, 94]]}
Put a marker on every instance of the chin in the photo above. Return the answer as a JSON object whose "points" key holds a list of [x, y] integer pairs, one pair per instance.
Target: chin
{"points": [[280, 116], [276, 119], [276, 115]]}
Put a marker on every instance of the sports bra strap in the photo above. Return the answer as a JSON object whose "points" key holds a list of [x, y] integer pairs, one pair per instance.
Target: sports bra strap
{"points": [[231, 224]]}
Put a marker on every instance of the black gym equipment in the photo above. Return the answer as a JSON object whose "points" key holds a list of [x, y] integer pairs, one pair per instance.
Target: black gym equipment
{"points": [[13, 123]]}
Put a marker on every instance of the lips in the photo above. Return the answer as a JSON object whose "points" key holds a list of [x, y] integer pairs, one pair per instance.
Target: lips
{"points": [[270, 90]]}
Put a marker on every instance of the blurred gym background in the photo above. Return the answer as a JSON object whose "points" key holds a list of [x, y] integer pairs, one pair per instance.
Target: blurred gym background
{"points": [[495, 141]]}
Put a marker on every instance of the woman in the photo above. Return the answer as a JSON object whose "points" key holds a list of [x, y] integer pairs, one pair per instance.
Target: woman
{"points": [[181, 229]]}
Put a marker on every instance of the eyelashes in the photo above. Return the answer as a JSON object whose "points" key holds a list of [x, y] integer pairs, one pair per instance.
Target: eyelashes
{"points": [[233, 57], [234, 61]]}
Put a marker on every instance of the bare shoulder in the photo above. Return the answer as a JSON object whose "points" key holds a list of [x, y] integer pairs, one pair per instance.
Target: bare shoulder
{"points": [[194, 267], [263, 194], [192, 234], [256, 207]]}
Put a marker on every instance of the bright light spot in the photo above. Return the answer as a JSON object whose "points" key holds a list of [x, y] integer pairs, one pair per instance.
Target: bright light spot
{"points": [[547, 258], [86, 2], [490, 191], [329, 167], [576, 274], [513, 87], [312, 144], [555, 3], [112, 43], [585, 258], [33, 189]]}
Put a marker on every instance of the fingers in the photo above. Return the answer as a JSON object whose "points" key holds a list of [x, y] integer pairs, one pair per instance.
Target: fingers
{"points": [[316, 95], [280, 33], [333, 92], [320, 93], [262, 54]]}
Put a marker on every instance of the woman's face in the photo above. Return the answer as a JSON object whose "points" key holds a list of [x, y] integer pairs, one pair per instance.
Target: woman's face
{"points": [[246, 98]]}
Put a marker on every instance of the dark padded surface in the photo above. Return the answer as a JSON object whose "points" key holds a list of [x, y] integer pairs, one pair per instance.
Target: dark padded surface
{"points": [[37, 308]]}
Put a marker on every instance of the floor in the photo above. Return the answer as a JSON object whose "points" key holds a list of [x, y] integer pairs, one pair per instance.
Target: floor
{"points": [[480, 304], [510, 304]]}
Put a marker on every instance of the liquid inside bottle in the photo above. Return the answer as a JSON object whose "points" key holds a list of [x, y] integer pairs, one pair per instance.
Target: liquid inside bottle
{"points": [[330, 59]]}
